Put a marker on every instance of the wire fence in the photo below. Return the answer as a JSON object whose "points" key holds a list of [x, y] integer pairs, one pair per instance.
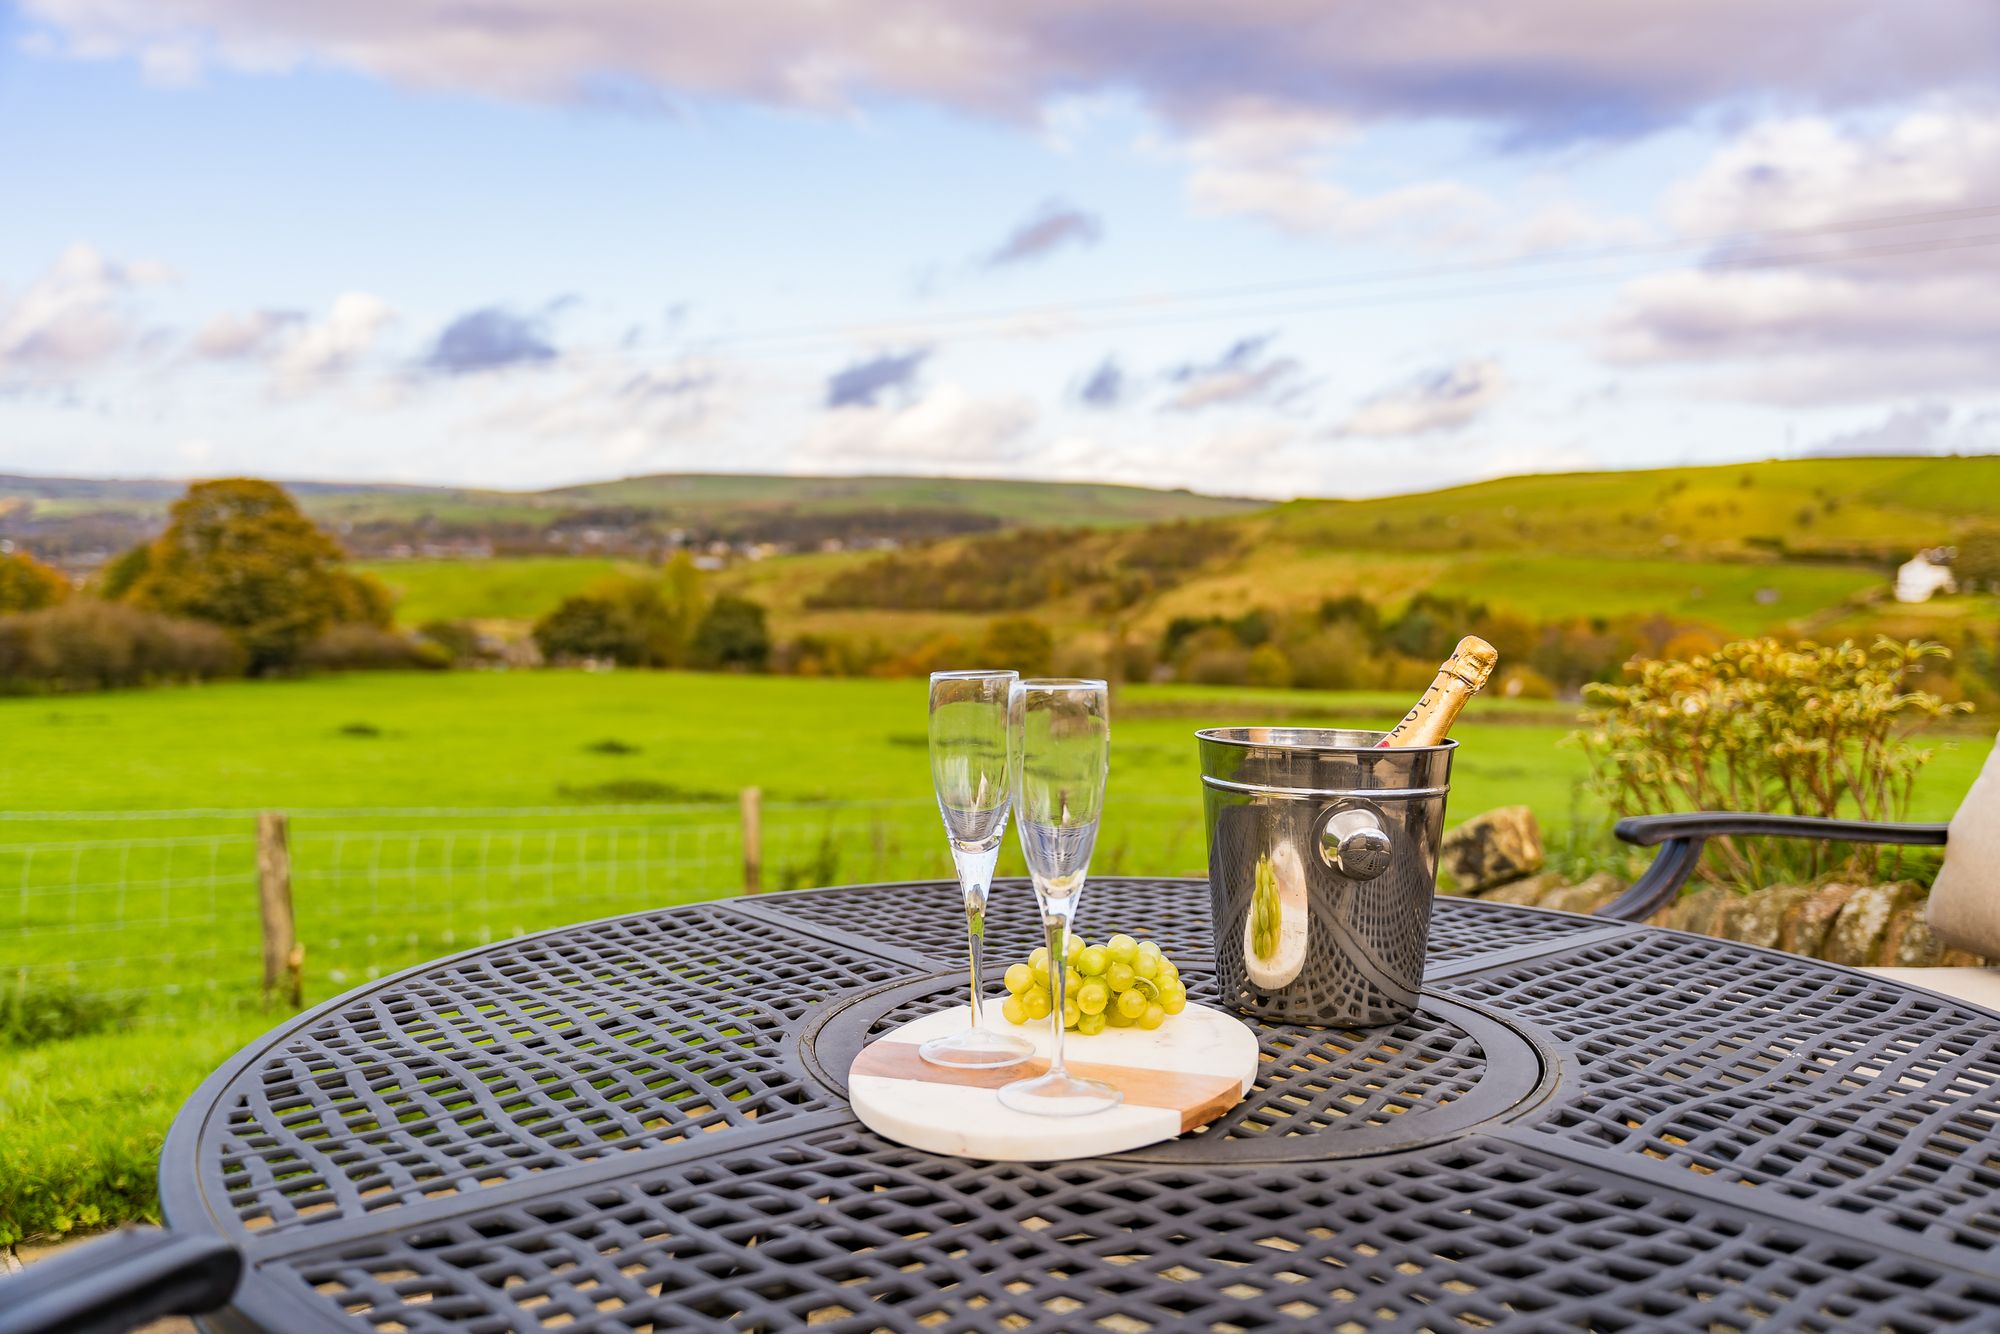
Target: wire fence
{"points": [[158, 915]]}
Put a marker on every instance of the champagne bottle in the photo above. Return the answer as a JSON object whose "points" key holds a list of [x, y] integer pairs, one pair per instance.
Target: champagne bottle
{"points": [[1461, 677]]}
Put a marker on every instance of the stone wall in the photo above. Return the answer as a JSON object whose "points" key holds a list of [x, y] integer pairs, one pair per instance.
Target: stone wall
{"points": [[1859, 925]]}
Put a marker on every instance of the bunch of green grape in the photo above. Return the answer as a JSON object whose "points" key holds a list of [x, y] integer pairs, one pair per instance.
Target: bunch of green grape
{"points": [[1123, 983]]}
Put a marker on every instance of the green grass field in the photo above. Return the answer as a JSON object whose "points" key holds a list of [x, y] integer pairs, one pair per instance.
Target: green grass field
{"points": [[521, 588], [163, 908]]}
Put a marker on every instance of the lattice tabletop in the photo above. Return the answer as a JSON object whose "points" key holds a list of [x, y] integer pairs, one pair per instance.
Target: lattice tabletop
{"points": [[638, 1125]]}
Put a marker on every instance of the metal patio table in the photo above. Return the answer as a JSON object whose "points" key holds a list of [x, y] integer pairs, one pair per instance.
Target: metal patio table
{"points": [[638, 1124]]}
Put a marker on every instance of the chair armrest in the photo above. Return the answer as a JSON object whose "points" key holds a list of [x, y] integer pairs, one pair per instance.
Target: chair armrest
{"points": [[129, 1278], [1650, 830], [1682, 835]]}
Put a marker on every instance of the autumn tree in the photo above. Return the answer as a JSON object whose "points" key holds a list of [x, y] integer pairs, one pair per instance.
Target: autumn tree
{"points": [[240, 554], [28, 585]]}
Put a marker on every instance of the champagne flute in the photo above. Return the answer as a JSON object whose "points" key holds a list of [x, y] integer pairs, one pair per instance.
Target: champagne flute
{"points": [[972, 769], [1062, 731]]}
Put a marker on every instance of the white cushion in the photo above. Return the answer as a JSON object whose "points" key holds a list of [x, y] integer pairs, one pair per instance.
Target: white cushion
{"points": [[1965, 901]]}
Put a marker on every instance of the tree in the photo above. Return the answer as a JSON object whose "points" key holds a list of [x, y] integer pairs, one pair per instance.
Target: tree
{"points": [[28, 585], [733, 634], [238, 553], [587, 626], [635, 621]]}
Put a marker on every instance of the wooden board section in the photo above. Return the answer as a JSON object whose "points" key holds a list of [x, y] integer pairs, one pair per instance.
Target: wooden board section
{"points": [[1184, 1074]]}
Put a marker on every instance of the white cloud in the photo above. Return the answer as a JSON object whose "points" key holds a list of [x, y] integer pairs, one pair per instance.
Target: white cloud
{"points": [[618, 411], [327, 348], [76, 316], [1272, 164], [1882, 286], [234, 336], [1446, 399], [947, 429]]}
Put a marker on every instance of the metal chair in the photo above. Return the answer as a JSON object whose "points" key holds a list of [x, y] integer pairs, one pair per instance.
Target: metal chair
{"points": [[1681, 837], [119, 1282]]}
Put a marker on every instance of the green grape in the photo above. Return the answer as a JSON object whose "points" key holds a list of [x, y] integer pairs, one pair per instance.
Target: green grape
{"points": [[1132, 1003], [1122, 948], [1151, 948], [1038, 1003], [1073, 945], [1119, 975], [1038, 958], [1091, 1023], [1153, 1017], [1072, 979], [1147, 965], [1169, 973], [1093, 961], [1019, 978], [1117, 1018], [1070, 1013], [1093, 996], [1014, 1010], [1174, 1001]]}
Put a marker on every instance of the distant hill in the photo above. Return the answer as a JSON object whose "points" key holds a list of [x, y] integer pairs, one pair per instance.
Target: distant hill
{"points": [[81, 521], [1012, 503]]}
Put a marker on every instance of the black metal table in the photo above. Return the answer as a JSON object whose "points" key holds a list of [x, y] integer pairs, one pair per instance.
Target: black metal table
{"points": [[638, 1124]]}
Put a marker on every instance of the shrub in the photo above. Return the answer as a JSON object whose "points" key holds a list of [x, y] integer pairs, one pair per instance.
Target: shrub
{"points": [[1759, 726], [1268, 666], [1019, 642], [457, 640], [86, 644], [732, 634], [28, 585], [367, 648]]}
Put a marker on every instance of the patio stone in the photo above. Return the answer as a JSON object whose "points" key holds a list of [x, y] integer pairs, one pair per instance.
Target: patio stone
{"points": [[1857, 934], [1803, 929], [1493, 848]]}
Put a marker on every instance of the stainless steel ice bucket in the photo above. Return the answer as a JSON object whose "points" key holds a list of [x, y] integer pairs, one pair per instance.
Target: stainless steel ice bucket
{"points": [[1322, 862]]}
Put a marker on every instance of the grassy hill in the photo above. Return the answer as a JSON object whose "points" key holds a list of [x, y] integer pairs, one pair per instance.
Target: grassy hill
{"points": [[1804, 547]]}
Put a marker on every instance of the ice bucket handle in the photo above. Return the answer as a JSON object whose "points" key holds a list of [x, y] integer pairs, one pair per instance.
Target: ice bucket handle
{"points": [[1352, 840]]}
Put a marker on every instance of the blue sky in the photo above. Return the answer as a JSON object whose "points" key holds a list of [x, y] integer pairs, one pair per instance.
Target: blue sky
{"points": [[1273, 248]]}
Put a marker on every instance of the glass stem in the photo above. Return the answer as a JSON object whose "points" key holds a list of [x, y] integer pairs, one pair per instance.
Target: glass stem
{"points": [[975, 879], [975, 933], [1055, 925]]}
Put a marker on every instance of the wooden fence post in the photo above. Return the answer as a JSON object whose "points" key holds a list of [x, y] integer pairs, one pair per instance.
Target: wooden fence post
{"points": [[753, 840], [284, 957]]}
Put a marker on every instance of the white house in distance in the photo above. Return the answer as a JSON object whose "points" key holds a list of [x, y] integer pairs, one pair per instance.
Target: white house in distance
{"points": [[1927, 572]]}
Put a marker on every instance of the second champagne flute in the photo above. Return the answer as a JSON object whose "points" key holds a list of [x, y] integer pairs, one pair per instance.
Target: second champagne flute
{"points": [[1062, 739], [971, 767]]}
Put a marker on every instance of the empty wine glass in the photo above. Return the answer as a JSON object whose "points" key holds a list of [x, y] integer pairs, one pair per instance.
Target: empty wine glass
{"points": [[971, 767], [1062, 741]]}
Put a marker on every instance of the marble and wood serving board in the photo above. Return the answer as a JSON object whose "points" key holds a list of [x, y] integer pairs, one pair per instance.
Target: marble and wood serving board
{"points": [[1181, 1075]]}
